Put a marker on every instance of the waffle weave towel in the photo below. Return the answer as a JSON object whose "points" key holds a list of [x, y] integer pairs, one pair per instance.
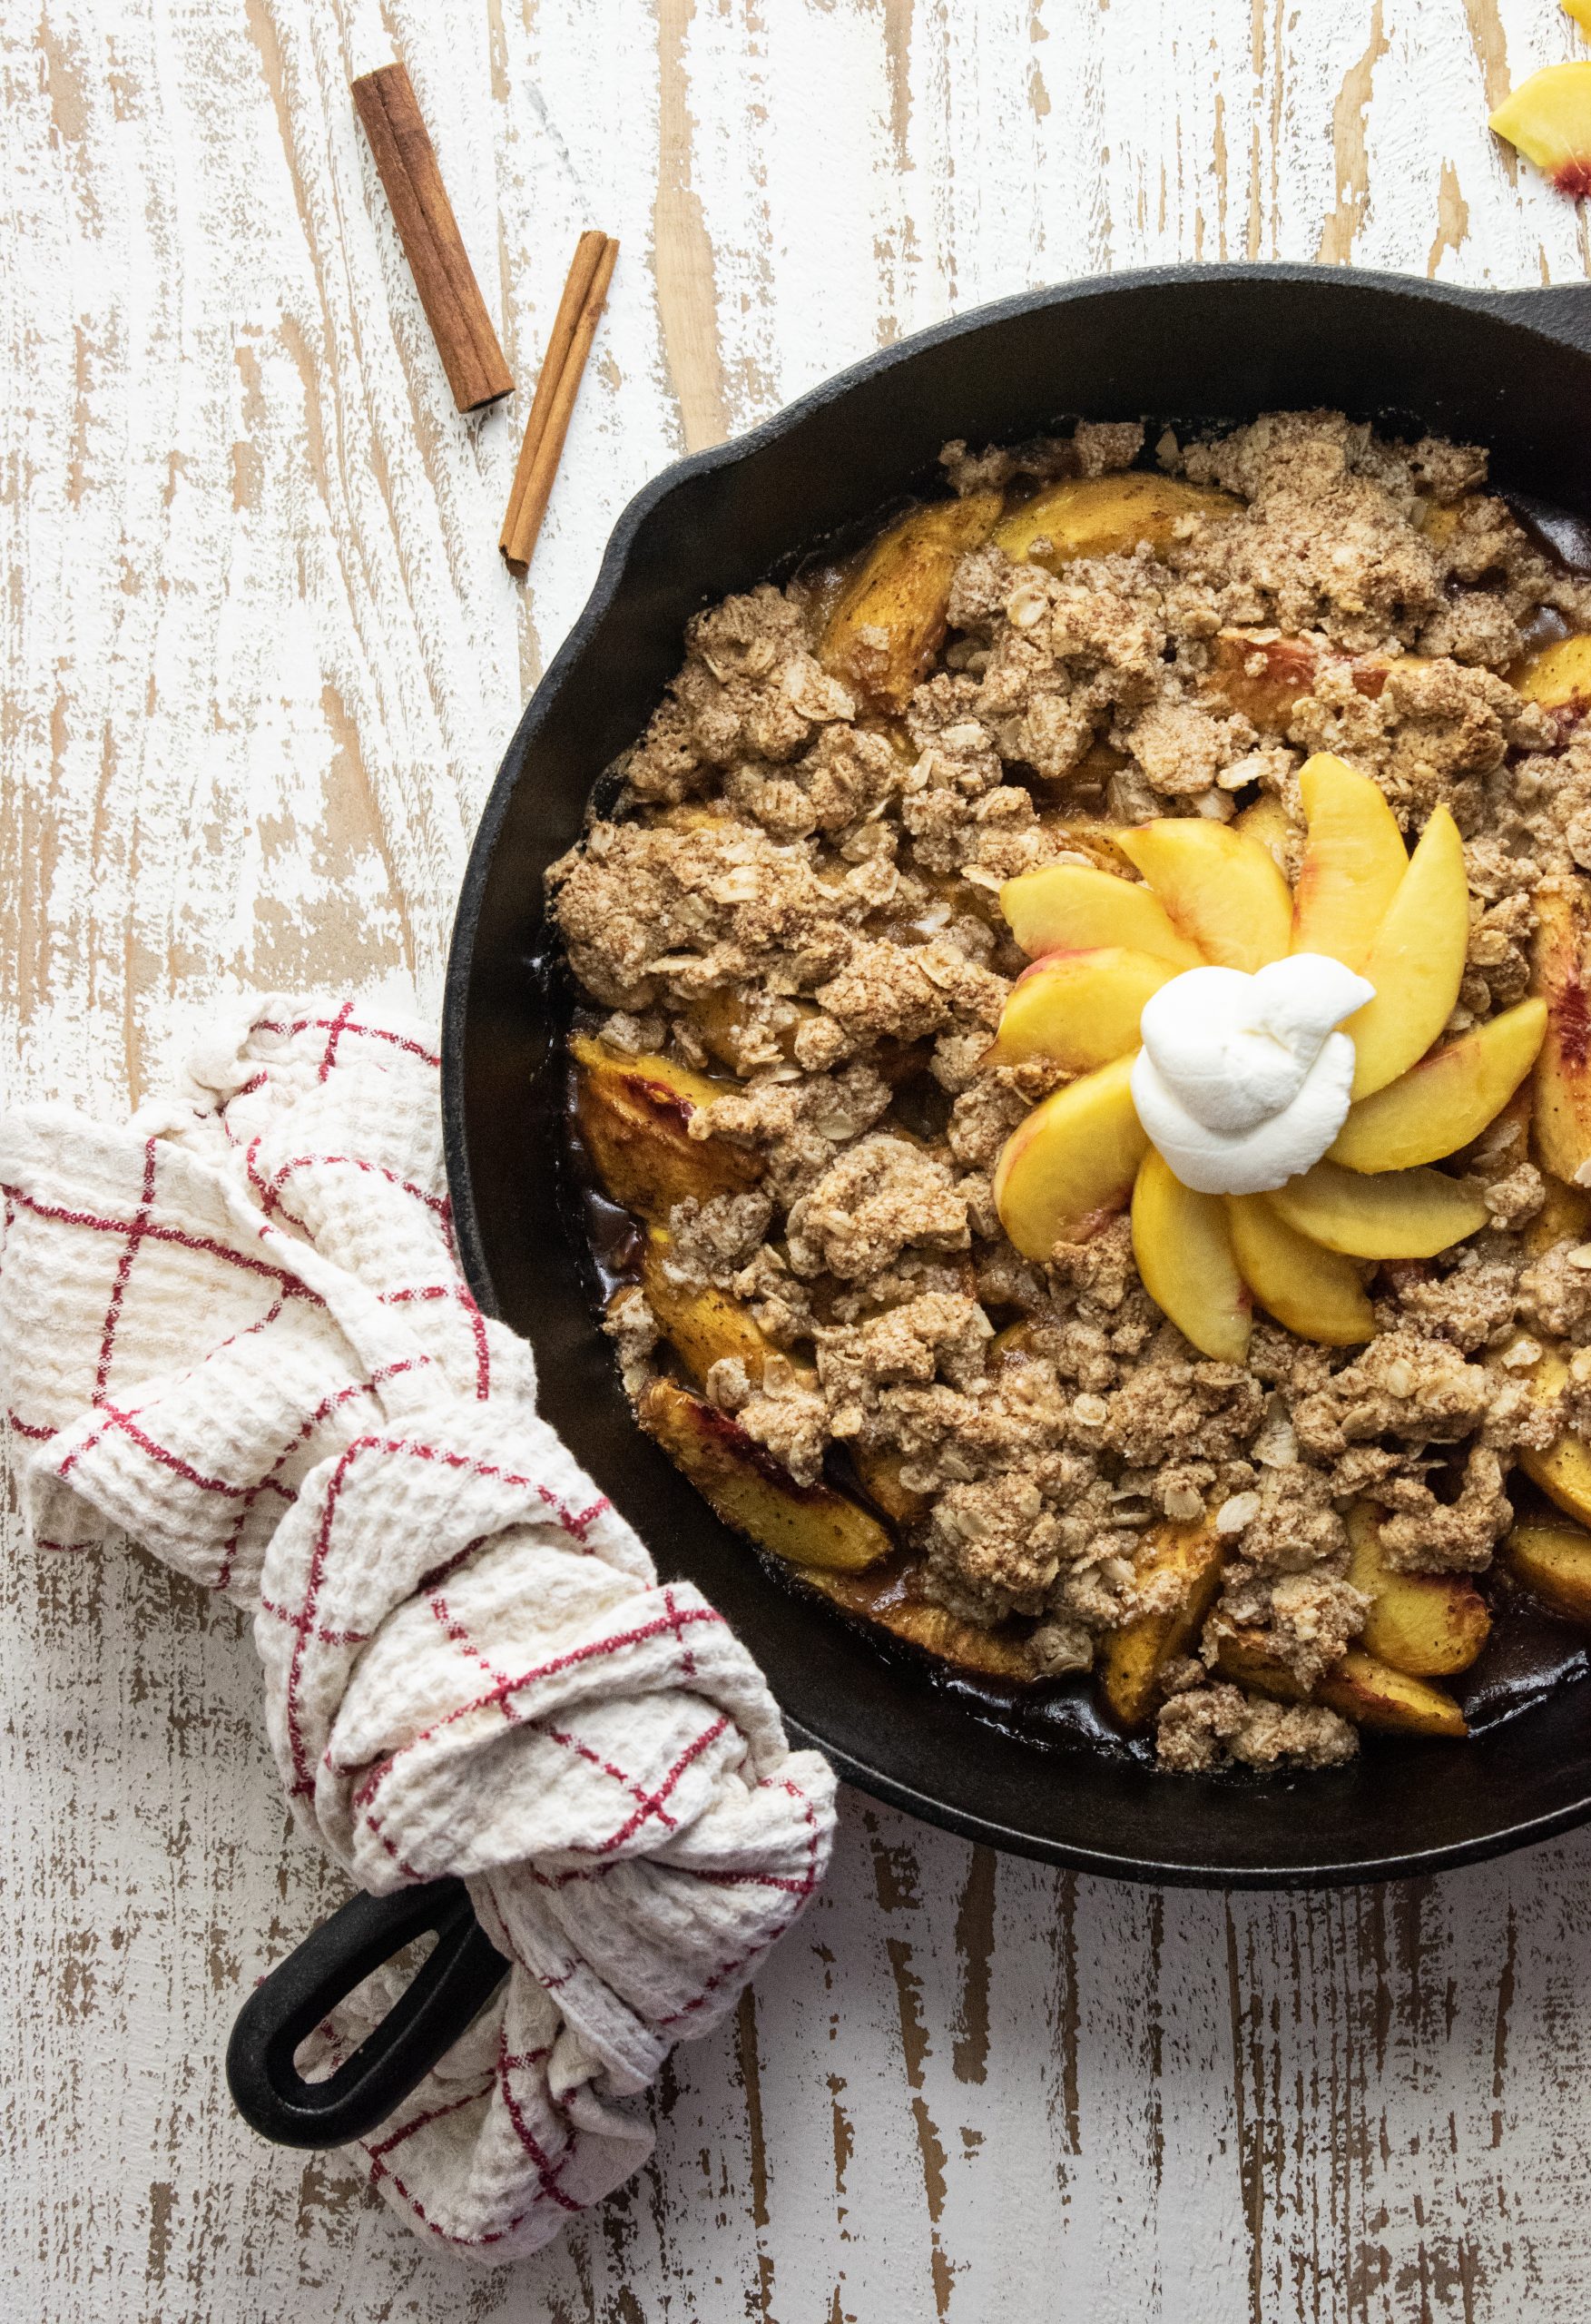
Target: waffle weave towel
{"points": [[236, 1330]]}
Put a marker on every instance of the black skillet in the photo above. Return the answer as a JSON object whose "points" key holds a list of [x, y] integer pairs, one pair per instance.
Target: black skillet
{"points": [[1510, 370]]}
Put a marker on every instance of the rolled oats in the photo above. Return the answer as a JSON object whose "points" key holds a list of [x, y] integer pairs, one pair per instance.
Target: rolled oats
{"points": [[805, 897]]}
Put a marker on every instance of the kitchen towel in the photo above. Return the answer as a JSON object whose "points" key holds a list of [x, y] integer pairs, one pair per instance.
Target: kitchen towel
{"points": [[235, 1329]]}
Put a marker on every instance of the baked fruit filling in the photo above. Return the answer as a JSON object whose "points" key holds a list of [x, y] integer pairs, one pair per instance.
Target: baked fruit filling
{"points": [[1085, 1007]]}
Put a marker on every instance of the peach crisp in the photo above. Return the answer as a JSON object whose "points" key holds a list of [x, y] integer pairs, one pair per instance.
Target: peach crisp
{"points": [[1086, 1007]]}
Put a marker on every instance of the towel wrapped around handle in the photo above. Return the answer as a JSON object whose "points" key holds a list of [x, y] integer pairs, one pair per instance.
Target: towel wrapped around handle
{"points": [[235, 1329]]}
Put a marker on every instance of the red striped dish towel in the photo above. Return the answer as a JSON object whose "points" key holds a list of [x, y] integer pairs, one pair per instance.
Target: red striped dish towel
{"points": [[236, 1330]]}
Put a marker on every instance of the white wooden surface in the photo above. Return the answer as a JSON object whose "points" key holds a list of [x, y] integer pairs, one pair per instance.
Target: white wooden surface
{"points": [[259, 659]]}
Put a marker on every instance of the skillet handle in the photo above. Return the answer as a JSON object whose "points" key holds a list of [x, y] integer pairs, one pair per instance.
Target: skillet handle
{"points": [[457, 1977], [1563, 310]]}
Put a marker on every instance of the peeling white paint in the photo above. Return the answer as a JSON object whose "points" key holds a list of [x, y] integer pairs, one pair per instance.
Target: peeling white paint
{"points": [[261, 658]]}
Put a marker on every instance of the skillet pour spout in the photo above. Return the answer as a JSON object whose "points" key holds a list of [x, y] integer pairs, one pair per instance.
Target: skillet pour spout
{"points": [[1509, 370]]}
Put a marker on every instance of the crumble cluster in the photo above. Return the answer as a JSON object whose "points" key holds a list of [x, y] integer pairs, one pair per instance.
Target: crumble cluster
{"points": [[801, 896]]}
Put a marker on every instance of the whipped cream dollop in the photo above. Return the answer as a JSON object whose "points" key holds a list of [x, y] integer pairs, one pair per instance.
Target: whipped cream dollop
{"points": [[1243, 1081]]}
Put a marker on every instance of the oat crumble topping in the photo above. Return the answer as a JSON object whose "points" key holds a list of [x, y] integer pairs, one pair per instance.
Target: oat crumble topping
{"points": [[798, 897]]}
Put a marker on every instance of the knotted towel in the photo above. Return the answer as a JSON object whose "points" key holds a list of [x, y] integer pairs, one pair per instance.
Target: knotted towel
{"points": [[236, 1330]]}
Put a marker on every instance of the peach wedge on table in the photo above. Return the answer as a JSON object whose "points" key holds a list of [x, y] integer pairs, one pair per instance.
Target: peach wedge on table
{"points": [[1184, 1251], [889, 621], [1353, 864], [1071, 1163], [1132, 1658], [1561, 1119], [1447, 1098], [1401, 1215], [1416, 961], [1096, 515], [1220, 890], [634, 1113], [1429, 1625], [1076, 908], [1080, 1009], [810, 1525]]}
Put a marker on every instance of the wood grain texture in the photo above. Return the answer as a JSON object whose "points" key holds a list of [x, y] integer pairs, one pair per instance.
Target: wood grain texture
{"points": [[261, 658]]}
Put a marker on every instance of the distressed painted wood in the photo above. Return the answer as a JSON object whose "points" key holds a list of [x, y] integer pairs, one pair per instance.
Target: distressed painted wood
{"points": [[259, 660]]}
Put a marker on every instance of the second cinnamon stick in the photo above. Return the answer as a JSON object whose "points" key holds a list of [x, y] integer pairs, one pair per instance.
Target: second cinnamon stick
{"points": [[574, 328]]}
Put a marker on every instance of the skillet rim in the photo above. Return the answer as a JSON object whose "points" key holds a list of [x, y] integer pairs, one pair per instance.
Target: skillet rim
{"points": [[1560, 314]]}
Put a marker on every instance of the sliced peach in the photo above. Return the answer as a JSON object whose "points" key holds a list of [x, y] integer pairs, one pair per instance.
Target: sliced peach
{"points": [[1402, 1215], [1562, 1118], [808, 1524], [1012, 1343], [1564, 1215], [1134, 1656], [1268, 820], [1416, 961], [1184, 1250], [701, 1323], [1316, 1292], [1221, 889], [1371, 1693], [1438, 520], [1094, 515], [1071, 1163], [878, 1469], [1549, 118], [1089, 835], [1247, 1657], [1564, 1471], [1075, 908], [726, 1023], [1446, 1100], [1559, 677], [1360, 1686], [633, 1114], [1081, 1008], [1429, 1625], [1266, 674], [1002, 1653], [889, 624], [1353, 862], [1555, 1562], [1263, 674]]}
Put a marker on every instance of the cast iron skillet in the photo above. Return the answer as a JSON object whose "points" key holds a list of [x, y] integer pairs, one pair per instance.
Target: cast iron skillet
{"points": [[1508, 369]]}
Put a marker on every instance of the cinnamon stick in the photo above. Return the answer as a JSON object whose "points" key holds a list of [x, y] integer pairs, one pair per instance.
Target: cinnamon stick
{"points": [[406, 160], [574, 328]]}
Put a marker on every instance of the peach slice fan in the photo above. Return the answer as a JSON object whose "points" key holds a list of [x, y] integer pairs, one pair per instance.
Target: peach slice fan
{"points": [[1259, 1073]]}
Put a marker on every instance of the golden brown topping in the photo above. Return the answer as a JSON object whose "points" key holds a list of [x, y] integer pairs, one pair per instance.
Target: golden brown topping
{"points": [[870, 1203], [1202, 1731], [799, 897]]}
